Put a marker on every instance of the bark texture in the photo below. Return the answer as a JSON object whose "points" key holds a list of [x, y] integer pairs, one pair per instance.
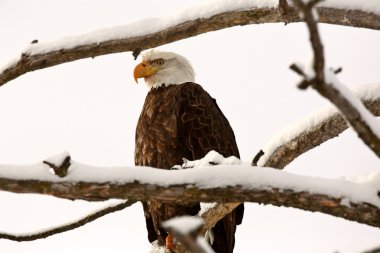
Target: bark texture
{"points": [[28, 63], [313, 137], [185, 194], [213, 215]]}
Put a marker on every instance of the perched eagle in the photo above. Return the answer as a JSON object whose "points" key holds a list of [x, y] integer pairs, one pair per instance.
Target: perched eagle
{"points": [[180, 120]]}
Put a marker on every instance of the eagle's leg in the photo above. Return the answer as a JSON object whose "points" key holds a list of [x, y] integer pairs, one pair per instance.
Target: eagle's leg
{"points": [[169, 242]]}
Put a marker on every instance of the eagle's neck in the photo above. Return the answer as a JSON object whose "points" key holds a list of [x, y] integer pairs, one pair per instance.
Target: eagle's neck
{"points": [[158, 85], [171, 76]]}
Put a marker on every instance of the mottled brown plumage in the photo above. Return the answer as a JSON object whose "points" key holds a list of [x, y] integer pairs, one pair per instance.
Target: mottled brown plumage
{"points": [[183, 121]]}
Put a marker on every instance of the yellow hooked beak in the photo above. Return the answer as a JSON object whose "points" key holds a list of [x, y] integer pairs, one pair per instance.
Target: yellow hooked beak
{"points": [[144, 69]]}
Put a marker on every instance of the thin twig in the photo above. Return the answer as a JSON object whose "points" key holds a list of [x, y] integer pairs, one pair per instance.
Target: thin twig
{"points": [[61, 169], [257, 158], [67, 227]]}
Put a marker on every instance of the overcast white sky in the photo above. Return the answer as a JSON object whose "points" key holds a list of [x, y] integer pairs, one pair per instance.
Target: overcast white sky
{"points": [[90, 108]]}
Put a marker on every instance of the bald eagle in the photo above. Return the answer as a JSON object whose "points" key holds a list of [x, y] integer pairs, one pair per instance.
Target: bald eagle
{"points": [[180, 120]]}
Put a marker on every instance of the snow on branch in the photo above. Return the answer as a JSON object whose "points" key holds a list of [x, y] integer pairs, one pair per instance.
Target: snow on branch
{"points": [[66, 227], [357, 201], [313, 130], [185, 230], [326, 83], [153, 32]]}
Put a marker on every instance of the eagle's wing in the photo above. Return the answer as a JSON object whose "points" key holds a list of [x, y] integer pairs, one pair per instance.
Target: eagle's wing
{"points": [[152, 236], [202, 127]]}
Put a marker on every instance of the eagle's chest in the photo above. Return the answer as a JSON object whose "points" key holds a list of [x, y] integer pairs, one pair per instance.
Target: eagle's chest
{"points": [[157, 140]]}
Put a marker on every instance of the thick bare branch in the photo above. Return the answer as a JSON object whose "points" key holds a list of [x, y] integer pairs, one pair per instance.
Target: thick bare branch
{"points": [[182, 194], [28, 63], [313, 137], [67, 227]]}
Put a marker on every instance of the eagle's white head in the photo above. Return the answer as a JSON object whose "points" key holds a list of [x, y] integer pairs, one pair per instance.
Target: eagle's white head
{"points": [[160, 68]]}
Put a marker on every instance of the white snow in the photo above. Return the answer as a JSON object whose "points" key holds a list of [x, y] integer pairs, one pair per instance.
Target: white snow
{"points": [[366, 116], [365, 92], [345, 202], [371, 6], [184, 224], [158, 249], [216, 176], [204, 245], [155, 24], [211, 158], [205, 207], [368, 91], [149, 25], [9, 64]]}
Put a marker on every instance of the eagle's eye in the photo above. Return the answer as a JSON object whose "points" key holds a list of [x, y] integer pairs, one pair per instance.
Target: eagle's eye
{"points": [[160, 62]]}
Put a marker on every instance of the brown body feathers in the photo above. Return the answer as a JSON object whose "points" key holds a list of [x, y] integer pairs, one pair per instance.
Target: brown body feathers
{"points": [[183, 121]]}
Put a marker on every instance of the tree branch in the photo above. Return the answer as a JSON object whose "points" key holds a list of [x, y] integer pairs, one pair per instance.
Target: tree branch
{"points": [[190, 193], [374, 250], [60, 169], [308, 139], [354, 114], [30, 62], [67, 227], [312, 137], [215, 214]]}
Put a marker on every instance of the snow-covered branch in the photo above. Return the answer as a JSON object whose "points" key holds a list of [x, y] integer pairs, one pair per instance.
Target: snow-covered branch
{"points": [[312, 131], [357, 201], [153, 32], [326, 83]]}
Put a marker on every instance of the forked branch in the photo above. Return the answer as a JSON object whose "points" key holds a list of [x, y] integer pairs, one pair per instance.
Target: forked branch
{"points": [[354, 112]]}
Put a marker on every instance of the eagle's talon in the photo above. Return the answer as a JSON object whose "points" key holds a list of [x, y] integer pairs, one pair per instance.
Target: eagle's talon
{"points": [[169, 242]]}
